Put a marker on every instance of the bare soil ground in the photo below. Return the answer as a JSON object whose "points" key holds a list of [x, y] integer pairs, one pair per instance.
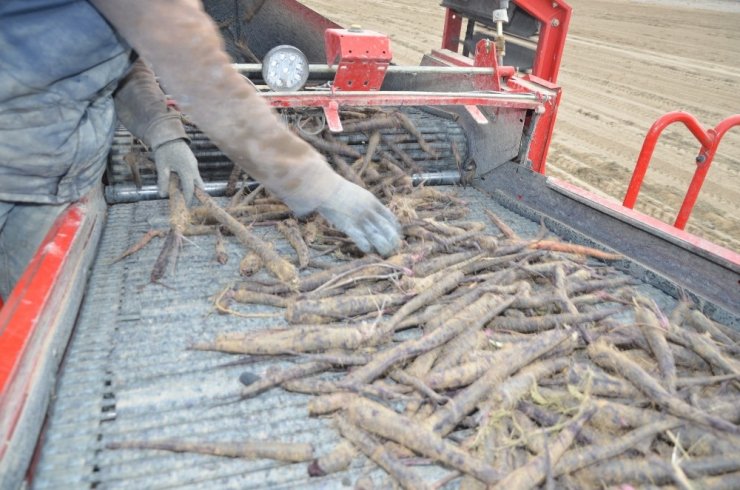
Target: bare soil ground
{"points": [[626, 63]]}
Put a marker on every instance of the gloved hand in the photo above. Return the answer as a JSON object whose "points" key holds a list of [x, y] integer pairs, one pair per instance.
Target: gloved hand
{"points": [[363, 218], [176, 156]]}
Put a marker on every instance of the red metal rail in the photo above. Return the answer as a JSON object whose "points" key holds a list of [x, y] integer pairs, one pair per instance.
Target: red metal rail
{"points": [[709, 140]]}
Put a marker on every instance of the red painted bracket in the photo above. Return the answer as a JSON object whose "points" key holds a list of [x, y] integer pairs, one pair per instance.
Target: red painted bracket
{"points": [[485, 55], [709, 140], [362, 58]]}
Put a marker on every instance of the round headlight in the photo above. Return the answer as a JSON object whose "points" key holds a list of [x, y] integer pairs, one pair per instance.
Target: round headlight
{"points": [[285, 68]]}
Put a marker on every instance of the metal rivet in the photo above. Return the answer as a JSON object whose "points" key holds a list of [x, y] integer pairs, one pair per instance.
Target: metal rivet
{"points": [[555, 22]]}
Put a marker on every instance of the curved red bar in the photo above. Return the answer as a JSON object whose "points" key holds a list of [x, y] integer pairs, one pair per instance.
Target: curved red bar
{"points": [[709, 140]]}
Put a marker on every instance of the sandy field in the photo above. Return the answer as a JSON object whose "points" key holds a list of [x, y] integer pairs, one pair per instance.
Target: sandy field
{"points": [[626, 63]]}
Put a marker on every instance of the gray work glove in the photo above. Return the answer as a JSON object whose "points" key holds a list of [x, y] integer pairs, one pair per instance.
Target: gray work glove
{"points": [[363, 218], [176, 156]]}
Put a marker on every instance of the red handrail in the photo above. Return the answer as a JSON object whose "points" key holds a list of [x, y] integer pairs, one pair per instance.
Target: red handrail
{"points": [[709, 139]]}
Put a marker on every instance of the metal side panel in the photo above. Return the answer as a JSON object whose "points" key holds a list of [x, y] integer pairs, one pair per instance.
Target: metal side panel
{"points": [[129, 373], [711, 282]]}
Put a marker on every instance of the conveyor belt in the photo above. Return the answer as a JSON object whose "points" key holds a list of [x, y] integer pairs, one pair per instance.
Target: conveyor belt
{"points": [[439, 133], [128, 374]]}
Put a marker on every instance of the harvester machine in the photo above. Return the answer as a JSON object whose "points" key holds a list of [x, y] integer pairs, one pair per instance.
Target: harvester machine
{"points": [[91, 351]]}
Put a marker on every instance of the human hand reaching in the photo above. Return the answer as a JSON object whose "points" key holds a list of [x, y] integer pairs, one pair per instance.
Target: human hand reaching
{"points": [[176, 156], [360, 215]]}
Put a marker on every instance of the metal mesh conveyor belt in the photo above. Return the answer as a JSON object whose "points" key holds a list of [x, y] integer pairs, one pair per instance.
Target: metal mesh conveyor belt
{"points": [[438, 132], [129, 374]]}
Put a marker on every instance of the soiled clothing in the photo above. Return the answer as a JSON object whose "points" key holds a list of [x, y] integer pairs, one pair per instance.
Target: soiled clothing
{"points": [[59, 65], [141, 107]]}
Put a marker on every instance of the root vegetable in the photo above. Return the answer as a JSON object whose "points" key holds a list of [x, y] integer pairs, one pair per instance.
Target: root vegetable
{"points": [[461, 375], [372, 146], [508, 362], [346, 171], [474, 317], [143, 242], [705, 349], [272, 379], [280, 451], [250, 264], [251, 297], [468, 341], [655, 336], [572, 248], [169, 250], [337, 460], [282, 269], [222, 256], [609, 358], [291, 232], [233, 179], [329, 403], [601, 383], [588, 455], [436, 264], [507, 395], [444, 286], [409, 126], [322, 310], [534, 472], [540, 323], [331, 147], [406, 477], [656, 471], [377, 419], [404, 378], [548, 418], [723, 334], [300, 339], [179, 214], [501, 225]]}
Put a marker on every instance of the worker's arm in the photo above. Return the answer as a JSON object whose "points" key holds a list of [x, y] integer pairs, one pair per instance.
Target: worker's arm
{"points": [[184, 47], [142, 108]]}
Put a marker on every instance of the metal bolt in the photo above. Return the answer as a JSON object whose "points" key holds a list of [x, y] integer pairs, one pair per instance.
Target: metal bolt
{"points": [[555, 22], [701, 158], [554, 5]]}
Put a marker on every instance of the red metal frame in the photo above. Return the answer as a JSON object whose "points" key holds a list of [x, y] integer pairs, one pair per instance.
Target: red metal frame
{"points": [[554, 18], [23, 319], [709, 140]]}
